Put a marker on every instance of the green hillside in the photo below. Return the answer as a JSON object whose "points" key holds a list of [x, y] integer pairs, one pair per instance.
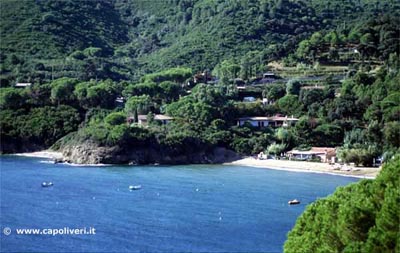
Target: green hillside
{"points": [[31, 27], [38, 36], [44, 40]]}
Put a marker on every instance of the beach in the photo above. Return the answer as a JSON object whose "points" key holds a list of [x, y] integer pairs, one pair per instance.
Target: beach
{"points": [[313, 167], [43, 154]]}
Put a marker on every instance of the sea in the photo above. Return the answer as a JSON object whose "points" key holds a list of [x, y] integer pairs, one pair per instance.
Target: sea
{"points": [[187, 208]]}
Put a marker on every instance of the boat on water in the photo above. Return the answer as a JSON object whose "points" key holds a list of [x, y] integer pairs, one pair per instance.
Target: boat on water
{"points": [[293, 202], [47, 184], [135, 187]]}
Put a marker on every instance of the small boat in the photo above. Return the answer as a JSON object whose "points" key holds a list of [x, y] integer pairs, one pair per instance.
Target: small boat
{"points": [[293, 202], [47, 184], [135, 187]]}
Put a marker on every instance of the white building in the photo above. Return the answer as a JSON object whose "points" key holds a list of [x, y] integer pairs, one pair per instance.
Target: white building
{"points": [[22, 85], [275, 121], [325, 154], [142, 119]]}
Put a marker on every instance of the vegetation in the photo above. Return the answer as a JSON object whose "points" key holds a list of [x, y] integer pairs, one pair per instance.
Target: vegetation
{"points": [[142, 57], [362, 217], [95, 66], [124, 40]]}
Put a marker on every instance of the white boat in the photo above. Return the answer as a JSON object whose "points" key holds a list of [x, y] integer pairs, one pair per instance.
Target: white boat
{"points": [[293, 202], [135, 187], [47, 184]]}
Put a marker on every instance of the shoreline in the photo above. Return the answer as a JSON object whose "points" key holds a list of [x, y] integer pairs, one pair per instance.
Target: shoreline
{"points": [[54, 155], [285, 165], [50, 154], [309, 167]]}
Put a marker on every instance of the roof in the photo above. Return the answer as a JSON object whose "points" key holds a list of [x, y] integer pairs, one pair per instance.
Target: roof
{"points": [[314, 150], [269, 74], [281, 118], [312, 87], [23, 84], [255, 118], [273, 118], [156, 117], [162, 117]]}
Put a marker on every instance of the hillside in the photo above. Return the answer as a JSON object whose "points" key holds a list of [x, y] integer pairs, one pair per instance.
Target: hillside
{"points": [[38, 36], [44, 40], [201, 33]]}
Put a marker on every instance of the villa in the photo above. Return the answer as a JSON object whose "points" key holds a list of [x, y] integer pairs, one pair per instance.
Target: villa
{"points": [[275, 121], [142, 119], [324, 153]]}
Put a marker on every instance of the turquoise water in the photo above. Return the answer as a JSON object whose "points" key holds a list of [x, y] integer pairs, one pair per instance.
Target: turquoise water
{"points": [[198, 208]]}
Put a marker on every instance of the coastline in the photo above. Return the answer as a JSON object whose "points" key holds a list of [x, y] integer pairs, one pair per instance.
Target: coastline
{"points": [[293, 166], [50, 154], [310, 167]]}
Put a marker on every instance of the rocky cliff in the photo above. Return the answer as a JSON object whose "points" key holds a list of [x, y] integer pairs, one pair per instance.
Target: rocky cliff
{"points": [[92, 153]]}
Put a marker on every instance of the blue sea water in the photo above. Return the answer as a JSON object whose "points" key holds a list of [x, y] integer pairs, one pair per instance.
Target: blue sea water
{"points": [[196, 208]]}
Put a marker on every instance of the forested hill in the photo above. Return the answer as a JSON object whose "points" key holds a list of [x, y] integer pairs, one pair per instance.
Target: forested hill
{"points": [[46, 39]]}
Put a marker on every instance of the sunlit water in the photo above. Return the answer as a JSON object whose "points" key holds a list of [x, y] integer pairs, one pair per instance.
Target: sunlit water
{"points": [[197, 208]]}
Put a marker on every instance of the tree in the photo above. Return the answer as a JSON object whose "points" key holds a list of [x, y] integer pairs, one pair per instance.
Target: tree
{"points": [[276, 149], [332, 38], [227, 70], [283, 135], [62, 90], [138, 105], [303, 49], [115, 118], [274, 92], [308, 97], [178, 75], [391, 107], [290, 105], [170, 91], [316, 39], [293, 87], [391, 133], [11, 98], [250, 64], [92, 94], [327, 135]]}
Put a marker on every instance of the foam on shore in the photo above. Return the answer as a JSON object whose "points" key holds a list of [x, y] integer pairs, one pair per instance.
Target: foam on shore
{"points": [[42, 154]]}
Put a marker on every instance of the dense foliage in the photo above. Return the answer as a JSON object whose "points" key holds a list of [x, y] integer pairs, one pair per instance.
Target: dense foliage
{"points": [[362, 217], [123, 40]]}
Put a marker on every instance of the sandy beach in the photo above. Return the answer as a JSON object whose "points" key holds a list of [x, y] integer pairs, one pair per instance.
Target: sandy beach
{"points": [[43, 154], [313, 167]]}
